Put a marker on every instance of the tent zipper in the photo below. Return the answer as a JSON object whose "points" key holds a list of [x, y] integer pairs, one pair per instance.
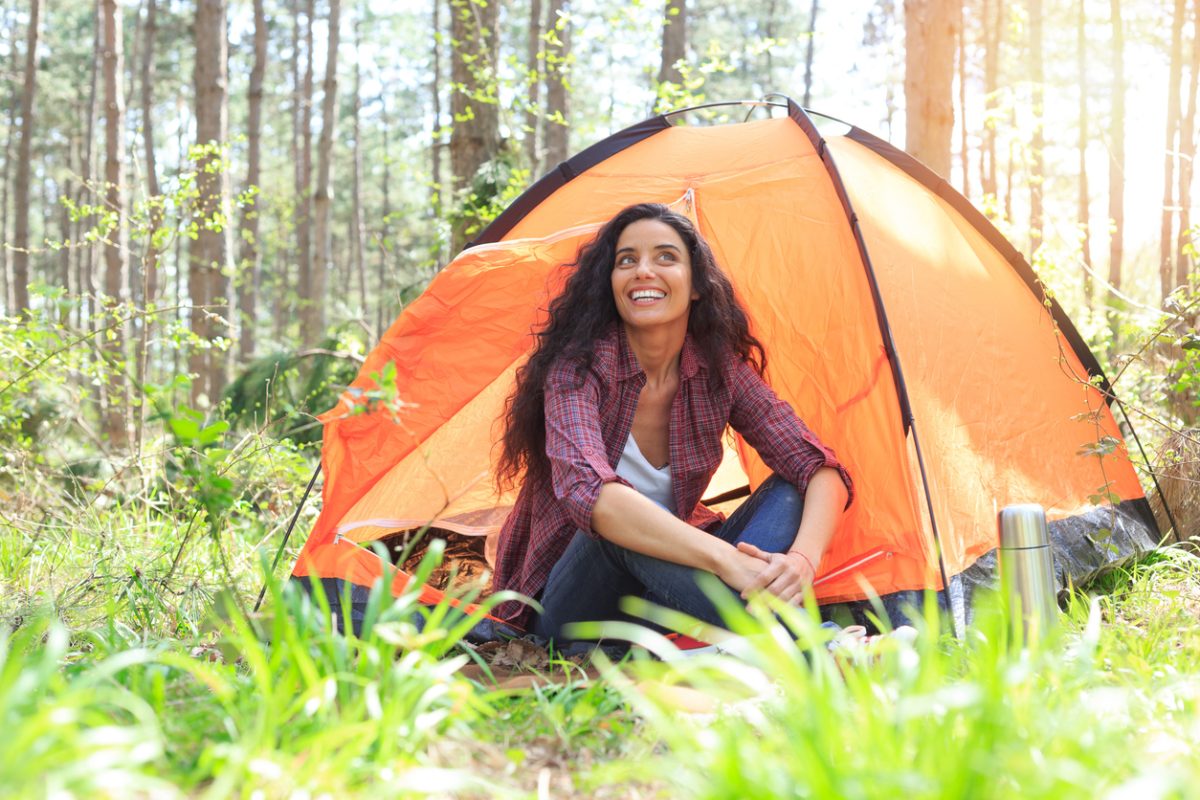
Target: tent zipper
{"points": [[864, 559]]}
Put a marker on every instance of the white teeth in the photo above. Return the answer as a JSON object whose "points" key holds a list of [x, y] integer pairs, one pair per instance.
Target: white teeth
{"points": [[653, 294]]}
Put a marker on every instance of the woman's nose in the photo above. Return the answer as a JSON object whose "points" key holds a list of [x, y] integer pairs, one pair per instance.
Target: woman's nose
{"points": [[644, 268]]}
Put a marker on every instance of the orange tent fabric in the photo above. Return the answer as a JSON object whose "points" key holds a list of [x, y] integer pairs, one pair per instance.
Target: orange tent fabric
{"points": [[897, 323]]}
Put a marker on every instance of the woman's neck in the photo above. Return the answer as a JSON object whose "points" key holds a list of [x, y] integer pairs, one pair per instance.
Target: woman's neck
{"points": [[657, 351]]}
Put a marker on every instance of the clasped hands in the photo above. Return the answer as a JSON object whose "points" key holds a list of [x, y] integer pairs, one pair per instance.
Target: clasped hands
{"points": [[785, 575]]}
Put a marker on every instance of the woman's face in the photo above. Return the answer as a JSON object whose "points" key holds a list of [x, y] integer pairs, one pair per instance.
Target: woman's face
{"points": [[652, 276]]}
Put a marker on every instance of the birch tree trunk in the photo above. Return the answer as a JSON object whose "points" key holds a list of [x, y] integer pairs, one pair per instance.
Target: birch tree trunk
{"points": [[558, 53], [1166, 263], [324, 191], [930, 30], [114, 200], [207, 251], [1116, 161], [20, 263], [13, 103], [250, 257]]}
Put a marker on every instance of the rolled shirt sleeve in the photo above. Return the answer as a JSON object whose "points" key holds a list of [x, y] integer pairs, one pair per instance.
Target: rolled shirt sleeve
{"points": [[574, 444], [777, 434]]}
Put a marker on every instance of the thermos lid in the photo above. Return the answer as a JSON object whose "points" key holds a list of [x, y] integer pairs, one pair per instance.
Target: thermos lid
{"points": [[1023, 526]]}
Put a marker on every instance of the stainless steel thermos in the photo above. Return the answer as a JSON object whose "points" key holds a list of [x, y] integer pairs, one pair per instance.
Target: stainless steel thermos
{"points": [[1027, 569]]}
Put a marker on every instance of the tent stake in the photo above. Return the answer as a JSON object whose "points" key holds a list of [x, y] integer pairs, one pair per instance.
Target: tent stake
{"points": [[275, 563]]}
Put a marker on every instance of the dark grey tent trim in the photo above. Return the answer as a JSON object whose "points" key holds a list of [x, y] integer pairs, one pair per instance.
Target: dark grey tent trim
{"points": [[936, 184]]}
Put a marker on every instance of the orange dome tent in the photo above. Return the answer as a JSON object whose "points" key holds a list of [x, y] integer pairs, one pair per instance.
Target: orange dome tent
{"points": [[898, 322]]}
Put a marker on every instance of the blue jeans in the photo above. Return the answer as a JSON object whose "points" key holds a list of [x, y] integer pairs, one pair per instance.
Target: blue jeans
{"points": [[593, 574]]}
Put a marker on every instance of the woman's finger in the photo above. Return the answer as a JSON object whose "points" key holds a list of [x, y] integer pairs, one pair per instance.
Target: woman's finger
{"points": [[751, 550]]}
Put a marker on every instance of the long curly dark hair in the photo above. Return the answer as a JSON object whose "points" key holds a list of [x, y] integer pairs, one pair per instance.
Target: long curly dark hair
{"points": [[586, 311]]}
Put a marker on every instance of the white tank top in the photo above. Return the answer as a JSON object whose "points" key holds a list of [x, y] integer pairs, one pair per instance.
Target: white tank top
{"points": [[643, 476]]}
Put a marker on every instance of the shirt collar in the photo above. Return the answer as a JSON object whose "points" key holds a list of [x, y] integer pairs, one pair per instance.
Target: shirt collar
{"points": [[691, 360]]}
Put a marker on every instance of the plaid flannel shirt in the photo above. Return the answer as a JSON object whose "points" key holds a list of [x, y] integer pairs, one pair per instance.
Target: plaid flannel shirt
{"points": [[588, 420]]}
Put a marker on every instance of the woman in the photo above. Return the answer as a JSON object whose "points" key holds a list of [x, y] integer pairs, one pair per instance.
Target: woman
{"points": [[616, 423]]}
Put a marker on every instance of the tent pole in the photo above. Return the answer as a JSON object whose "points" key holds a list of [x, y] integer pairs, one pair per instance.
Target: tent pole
{"points": [[275, 563], [1150, 469], [801, 117]]}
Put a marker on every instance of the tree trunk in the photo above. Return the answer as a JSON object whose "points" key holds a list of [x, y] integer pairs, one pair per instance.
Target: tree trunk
{"points": [[20, 269], [930, 28], [1085, 224], [304, 182], [674, 40], [993, 38], [535, 65], [250, 256], [5, 252], [435, 94], [115, 247], [324, 192], [150, 268], [1166, 262], [86, 255], [1037, 144], [357, 228], [810, 46], [962, 102], [475, 139], [1187, 156], [1116, 161], [385, 228], [207, 251], [557, 100]]}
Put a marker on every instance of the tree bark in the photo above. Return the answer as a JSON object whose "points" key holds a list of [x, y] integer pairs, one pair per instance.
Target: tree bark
{"points": [[207, 251], [962, 102], [535, 66], [475, 139], [20, 264], [13, 103], [1116, 161], [809, 51], [993, 40], [249, 259], [435, 94], [674, 40], [150, 267], [114, 200], [1037, 144], [1084, 219], [304, 181], [1187, 156], [1166, 262], [930, 29], [357, 228], [558, 111], [385, 227], [324, 191]]}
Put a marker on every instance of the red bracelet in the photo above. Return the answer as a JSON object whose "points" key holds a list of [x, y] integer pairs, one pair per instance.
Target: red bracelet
{"points": [[807, 560]]}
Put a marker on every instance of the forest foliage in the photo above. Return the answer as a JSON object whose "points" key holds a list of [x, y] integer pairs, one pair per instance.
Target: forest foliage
{"points": [[210, 211]]}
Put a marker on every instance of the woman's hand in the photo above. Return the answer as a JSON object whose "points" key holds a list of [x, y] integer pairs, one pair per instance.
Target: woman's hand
{"points": [[786, 575], [740, 570]]}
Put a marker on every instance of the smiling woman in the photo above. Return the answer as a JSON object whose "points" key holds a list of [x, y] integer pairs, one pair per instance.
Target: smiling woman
{"points": [[616, 425]]}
